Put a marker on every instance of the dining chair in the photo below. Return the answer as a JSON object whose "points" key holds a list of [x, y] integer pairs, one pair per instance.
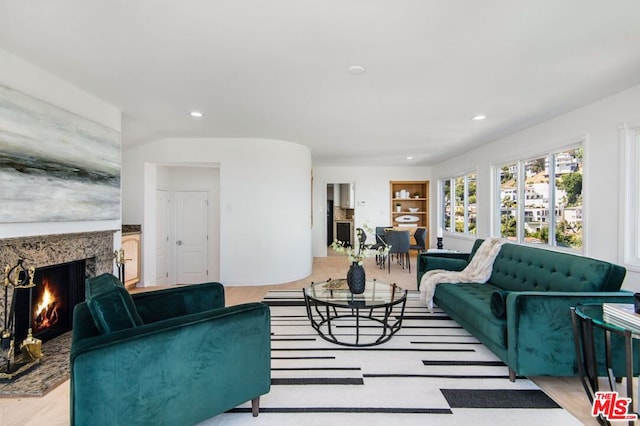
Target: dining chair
{"points": [[420, 236], [398, 242], [362, 237], [380, 243]]}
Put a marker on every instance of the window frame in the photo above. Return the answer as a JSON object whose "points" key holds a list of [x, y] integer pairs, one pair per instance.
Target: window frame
{"points": [[550, 156], [452, 179], [630, 184]]}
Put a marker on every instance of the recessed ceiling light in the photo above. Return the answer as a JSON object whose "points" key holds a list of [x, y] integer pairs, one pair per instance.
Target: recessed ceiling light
{"points": [[409, 157], [196, 114], [479, 117], [356, 69]]}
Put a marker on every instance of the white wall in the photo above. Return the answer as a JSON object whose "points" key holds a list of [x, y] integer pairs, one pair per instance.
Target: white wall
{"points": [[371, 192], [265, 208], [599, 124], [27, 78]]}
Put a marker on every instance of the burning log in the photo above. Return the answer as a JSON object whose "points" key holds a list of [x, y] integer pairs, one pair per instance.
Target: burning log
{"points": [[46, 313]]}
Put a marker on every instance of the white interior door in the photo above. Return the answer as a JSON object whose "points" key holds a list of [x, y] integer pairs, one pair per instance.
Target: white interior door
{"points": [[191, 236], [162, 237]]}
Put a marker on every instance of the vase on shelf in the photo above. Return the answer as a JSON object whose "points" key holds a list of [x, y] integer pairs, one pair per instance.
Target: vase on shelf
{"points": [[356, 279]]}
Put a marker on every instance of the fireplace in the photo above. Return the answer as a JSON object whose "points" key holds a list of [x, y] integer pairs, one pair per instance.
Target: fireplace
{"points": [[91, 252], [58, 289]]}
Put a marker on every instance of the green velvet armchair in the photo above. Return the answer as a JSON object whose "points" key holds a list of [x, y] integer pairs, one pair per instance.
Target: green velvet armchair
{"points": [[175, 356]]}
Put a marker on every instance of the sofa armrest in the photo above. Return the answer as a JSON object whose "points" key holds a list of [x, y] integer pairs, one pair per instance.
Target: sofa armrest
{"points": [[447, 261], [178, 301], [540, 333], [207, 362]]}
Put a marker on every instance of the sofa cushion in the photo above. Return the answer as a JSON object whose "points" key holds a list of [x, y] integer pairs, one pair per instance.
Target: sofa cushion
{"points": [[111, 306], [499, 303], [100, 284], [475, 301], [521, 268]]}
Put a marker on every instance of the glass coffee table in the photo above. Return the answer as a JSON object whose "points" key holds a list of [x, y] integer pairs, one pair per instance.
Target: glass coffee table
{"points": [[590, 325], [366, 319]]}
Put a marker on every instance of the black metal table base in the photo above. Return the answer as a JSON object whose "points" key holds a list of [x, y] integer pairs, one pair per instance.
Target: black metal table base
{"points": [[323, 318], [587, 359]]}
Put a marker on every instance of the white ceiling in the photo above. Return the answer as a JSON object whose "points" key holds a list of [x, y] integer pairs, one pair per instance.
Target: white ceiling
{"points": [[279, 68]]}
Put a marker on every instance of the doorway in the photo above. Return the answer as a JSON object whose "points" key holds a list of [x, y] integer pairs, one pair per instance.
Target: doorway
{"points": [[192, 235], [187, 225], [340, 212]]}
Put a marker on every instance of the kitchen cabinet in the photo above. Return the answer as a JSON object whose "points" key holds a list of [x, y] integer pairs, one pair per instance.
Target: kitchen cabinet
{"points": [[347, 192], [409, 202], [131, 246]]}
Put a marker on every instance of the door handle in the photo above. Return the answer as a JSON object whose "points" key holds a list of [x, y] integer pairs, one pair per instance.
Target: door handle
{"points": [[179, 242]]}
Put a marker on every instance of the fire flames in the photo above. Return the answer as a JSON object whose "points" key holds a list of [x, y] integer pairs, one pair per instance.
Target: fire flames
{"points": [[46, 313]]}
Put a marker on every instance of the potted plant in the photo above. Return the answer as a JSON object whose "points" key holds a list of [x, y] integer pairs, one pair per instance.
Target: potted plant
{"points": [[416, 194], [356, 253]]}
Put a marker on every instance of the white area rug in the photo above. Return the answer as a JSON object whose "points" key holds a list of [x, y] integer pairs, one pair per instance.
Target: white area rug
{"points": [[432, 371]]}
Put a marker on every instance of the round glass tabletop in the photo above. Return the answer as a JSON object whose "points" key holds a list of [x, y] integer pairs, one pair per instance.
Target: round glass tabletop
{"points": [[620, 320], [336, 293]]}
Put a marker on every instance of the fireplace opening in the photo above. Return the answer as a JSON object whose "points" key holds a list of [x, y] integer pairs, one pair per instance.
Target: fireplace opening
{"points": [[58, 289]]}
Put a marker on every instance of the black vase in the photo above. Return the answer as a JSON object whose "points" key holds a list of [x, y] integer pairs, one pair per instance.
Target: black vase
{"points": [[356, 278]]}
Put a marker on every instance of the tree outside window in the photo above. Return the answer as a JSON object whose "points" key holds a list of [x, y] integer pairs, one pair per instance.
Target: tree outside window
{"points": [[459, 203], [536, 201], [508, 178], [569, 198], [446, 210]]}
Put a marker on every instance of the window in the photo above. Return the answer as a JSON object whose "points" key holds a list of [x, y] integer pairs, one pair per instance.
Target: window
{"points": [[630, 140], [508, 180], [458, 208], [540, 199]]}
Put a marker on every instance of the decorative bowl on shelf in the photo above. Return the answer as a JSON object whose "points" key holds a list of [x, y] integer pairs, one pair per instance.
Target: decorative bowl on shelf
{"points": [[413, 209], [407, 219]]}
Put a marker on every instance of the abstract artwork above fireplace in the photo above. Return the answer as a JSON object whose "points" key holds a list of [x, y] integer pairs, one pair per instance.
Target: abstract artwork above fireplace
{"points": [[55, 165]]}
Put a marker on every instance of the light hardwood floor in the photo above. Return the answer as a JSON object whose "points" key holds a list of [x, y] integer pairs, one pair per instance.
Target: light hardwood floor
{"points": [[53, 408]]}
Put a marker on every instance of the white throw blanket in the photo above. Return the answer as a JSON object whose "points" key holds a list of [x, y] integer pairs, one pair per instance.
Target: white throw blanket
{"points": [[477, 271]]}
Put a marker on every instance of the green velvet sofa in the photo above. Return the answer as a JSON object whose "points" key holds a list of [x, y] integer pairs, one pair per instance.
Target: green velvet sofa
{"points": [[175, 356], [522, 313]]}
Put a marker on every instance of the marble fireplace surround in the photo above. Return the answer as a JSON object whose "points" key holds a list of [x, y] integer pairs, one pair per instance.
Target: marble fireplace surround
{"points": [[46, 250]]}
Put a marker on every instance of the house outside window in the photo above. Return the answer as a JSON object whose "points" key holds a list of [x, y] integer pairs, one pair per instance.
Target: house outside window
{"points": [[458, 207], [539, 199]]}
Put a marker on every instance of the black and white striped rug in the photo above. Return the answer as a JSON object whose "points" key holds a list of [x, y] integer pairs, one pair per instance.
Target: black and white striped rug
{"points": [[432, 370]]}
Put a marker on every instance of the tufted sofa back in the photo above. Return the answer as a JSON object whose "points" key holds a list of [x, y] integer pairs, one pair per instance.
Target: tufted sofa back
{"points": [[523, 268]]}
